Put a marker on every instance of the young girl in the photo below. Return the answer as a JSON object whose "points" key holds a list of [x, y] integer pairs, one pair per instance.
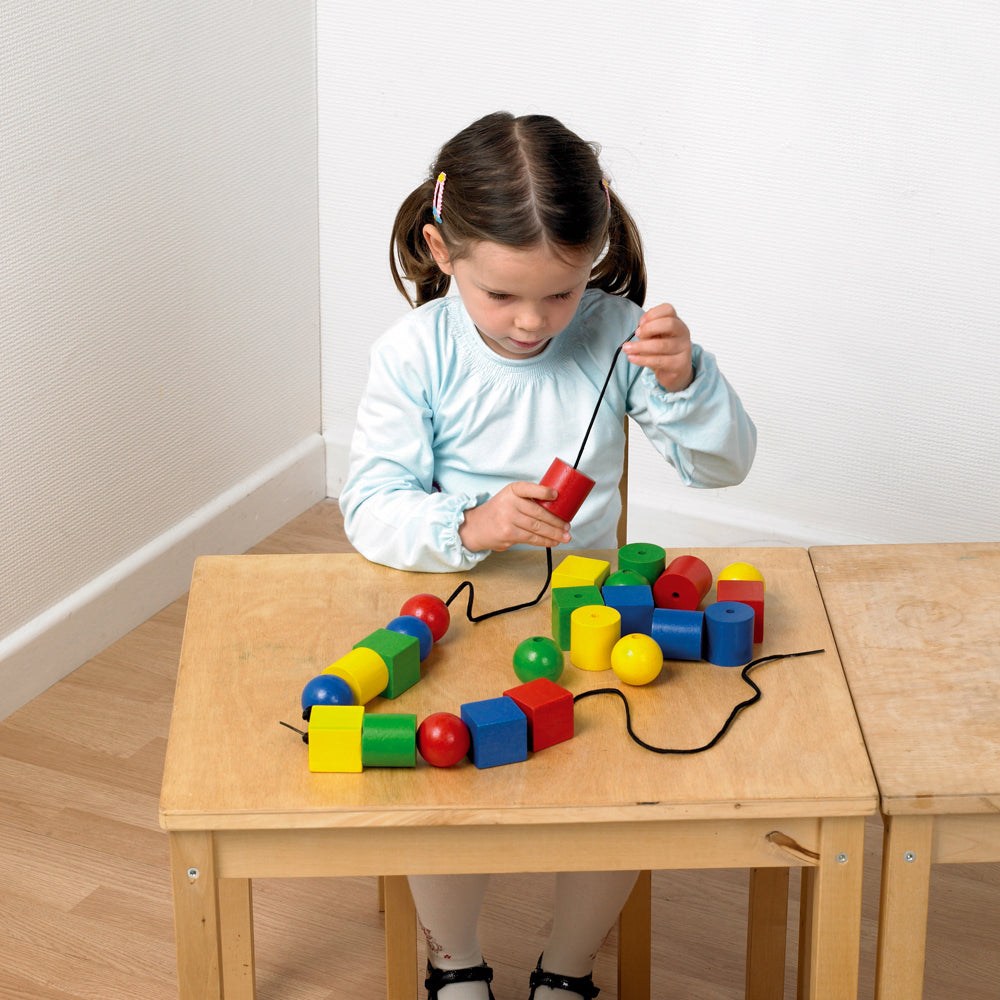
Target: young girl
{"points": [[471, 397]]}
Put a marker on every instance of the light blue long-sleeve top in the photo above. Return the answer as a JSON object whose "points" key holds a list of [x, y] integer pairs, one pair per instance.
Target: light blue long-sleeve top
{"points": [[445, 423]]}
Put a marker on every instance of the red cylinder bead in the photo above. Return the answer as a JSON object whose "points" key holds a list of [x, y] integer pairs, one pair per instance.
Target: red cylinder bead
{"points": [[683, 584], [571, 485]]}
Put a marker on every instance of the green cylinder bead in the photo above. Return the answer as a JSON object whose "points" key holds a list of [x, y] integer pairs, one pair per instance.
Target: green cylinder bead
{"points": [[644, 558], [389, 740]]}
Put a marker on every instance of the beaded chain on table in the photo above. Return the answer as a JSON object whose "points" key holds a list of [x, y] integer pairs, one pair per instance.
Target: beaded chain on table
{"points": [[538, 713]]}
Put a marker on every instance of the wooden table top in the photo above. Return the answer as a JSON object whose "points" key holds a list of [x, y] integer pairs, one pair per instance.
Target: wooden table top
{"points": [[918, 629], [258, 627]]}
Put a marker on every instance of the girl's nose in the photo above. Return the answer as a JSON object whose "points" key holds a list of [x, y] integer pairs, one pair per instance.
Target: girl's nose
{"points": [[530, 321]]}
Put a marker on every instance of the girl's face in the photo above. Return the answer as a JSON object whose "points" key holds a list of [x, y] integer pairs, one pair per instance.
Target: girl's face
{"points": [[518, 299]]}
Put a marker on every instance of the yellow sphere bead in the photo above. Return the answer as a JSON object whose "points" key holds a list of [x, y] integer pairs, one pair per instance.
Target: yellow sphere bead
{"points": [[741, 571], [637, 659]]}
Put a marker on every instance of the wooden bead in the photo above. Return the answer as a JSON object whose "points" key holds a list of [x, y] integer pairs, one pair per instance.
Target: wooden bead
{"points": [[365, 672], [741, 571], [443, 739], [572, 486], [580, 571], [548, 709], [678, 633], [401, 655], [498, 731], [728, 634], [335, 738], [565, 600], [594, 630], [683, 584], [389, 740], [643, 558], [749, 592], [636, 659], [634, 604]]}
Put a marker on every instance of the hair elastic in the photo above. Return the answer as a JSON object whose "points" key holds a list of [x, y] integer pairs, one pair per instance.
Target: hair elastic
{"points": [[607, 192], [438, 197]]}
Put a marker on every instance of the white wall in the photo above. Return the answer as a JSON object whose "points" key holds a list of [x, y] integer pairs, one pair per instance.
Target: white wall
{"points": [[816, 184], [159, 307]]}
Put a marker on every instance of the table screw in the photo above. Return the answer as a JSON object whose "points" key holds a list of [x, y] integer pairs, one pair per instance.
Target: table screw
{"points": [[842, 858], [193, 873], [909, 857]]}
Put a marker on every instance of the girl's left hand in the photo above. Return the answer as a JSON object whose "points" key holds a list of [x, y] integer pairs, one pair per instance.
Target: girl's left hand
{"points": [[663, 344]]}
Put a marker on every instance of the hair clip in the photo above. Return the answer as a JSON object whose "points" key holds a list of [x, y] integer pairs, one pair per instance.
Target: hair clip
{"points": [[607, 192], [438, 197]]}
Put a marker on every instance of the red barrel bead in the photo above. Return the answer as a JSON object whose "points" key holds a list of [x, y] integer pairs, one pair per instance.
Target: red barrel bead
{"points": [[683, 584], [572, 486]]}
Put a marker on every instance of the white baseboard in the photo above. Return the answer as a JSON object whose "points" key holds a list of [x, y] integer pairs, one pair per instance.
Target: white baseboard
{"points": [[688, 523], [110, 605], [338, 451]]}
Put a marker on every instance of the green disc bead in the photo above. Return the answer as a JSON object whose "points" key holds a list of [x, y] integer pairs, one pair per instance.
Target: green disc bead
{"points": [[538, 656], [644, 558]]}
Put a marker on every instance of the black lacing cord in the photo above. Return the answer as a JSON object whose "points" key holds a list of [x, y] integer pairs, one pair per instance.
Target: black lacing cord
{"points": [[745, 674], [548, 552], [502, 611]]}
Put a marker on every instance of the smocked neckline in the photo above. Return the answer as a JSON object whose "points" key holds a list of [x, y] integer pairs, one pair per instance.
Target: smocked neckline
{"points": [[484, 357]]}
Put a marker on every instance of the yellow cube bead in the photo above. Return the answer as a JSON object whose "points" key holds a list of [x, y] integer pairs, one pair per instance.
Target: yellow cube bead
{"points": [[335, 737], [580, 571]]}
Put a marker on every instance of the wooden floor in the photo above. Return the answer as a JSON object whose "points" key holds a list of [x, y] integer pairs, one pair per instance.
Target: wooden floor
{"points": [[85, 899]]}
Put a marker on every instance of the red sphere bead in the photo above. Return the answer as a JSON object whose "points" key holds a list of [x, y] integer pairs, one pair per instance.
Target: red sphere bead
{"points": [[443, 739], [430, 609]]}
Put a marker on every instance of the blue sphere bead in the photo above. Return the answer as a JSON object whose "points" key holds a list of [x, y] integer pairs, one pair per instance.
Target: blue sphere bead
{"points": [[326, 689], [418, 628]]}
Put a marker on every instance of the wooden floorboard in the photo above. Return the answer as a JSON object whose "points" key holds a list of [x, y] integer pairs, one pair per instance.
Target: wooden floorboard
{"points": [[85, 895]]}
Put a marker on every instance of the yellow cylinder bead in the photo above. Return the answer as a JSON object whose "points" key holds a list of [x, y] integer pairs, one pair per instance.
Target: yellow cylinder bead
{"points": [[594, 630], [741, 571], [365, 672]]}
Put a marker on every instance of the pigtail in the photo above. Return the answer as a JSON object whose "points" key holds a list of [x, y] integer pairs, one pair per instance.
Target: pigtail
{"points": [[622, 269], [410, 258]]}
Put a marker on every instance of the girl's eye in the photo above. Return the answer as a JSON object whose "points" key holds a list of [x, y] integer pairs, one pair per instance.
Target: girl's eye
{"points": [[498, 296], [563, 295]]}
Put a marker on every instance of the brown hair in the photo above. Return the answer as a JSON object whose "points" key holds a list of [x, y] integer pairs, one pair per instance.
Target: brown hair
{"points": [[519, 182]]}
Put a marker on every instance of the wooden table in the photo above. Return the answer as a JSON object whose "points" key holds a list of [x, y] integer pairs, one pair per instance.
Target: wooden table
{"points": [[918, 629], [789, 785]]}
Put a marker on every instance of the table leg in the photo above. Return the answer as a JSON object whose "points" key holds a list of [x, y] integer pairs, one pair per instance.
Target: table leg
{"points": [[196, 916], [830, 913], [767, 928], [400, 939], [634, 941], [902, 920], [236, 938]]}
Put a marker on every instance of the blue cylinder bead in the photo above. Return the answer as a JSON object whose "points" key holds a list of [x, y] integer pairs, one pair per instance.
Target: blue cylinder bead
{"points": [[728, 634], [678, 633]]}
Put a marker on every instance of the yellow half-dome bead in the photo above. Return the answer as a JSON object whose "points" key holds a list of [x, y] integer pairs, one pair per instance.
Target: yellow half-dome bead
{"points": [[741, 571]]}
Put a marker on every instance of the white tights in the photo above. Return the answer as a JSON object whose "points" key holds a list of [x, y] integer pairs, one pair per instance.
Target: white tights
{"points": [[585, 909]]}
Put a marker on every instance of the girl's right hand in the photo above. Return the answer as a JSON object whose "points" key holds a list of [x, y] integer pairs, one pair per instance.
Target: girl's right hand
{"points": [[513, 517]]}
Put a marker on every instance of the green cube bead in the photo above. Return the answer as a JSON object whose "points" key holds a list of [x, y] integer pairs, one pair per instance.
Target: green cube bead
{"points": [[401, 654]]}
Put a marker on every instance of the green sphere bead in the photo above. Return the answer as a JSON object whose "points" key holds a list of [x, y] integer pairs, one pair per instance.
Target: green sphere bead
{"points": [[538, 656], [626, 578]]}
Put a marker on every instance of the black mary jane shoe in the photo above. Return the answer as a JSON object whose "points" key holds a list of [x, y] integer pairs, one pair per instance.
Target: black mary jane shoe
{"points": [[439, 978], [582, 986]]}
